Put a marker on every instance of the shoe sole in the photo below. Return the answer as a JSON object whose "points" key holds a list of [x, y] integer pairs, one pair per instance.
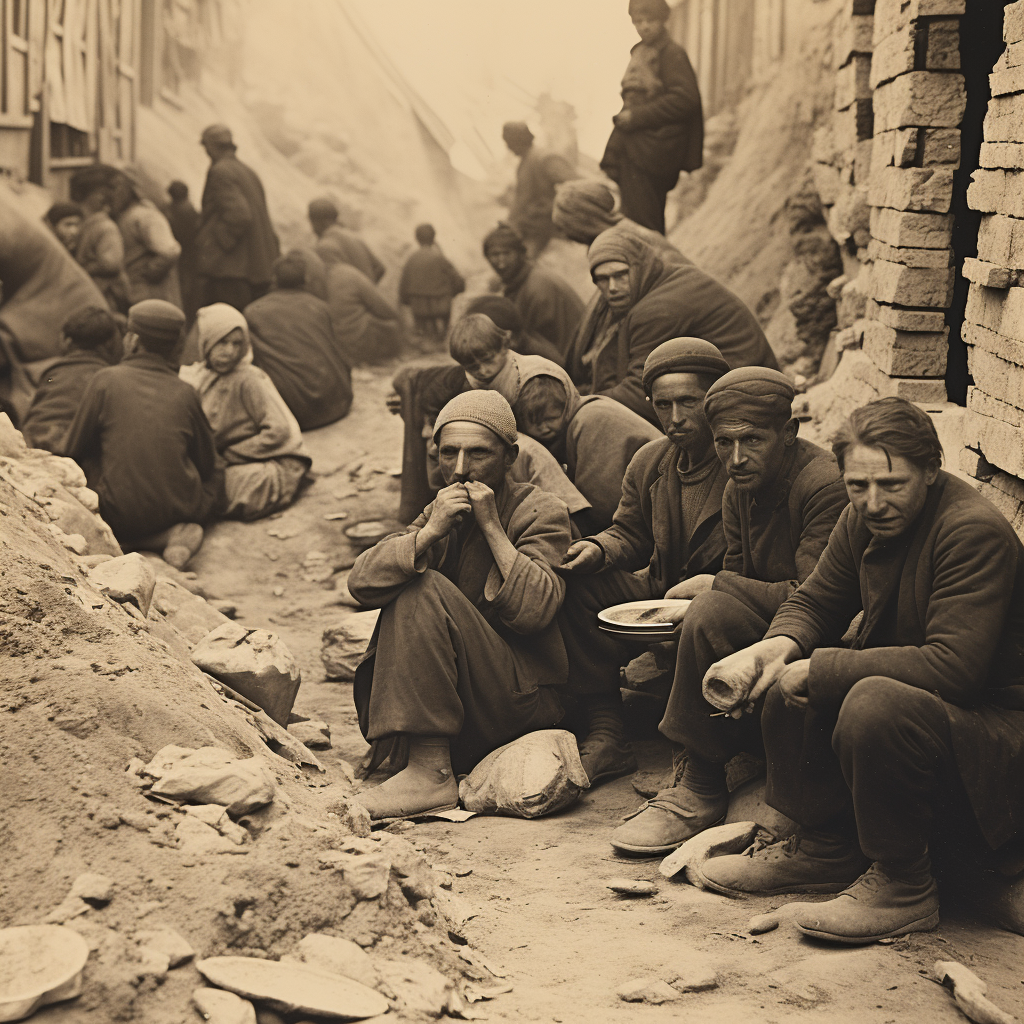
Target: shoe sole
{"points": [[925, 924], [658, 851], [820, 889], [413, 814], [613, 773]]}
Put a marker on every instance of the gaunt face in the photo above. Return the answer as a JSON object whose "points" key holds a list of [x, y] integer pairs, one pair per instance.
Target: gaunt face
{"points": [[612, 279], [678, 400], [752, 453], [888, 491], [471, 451]]}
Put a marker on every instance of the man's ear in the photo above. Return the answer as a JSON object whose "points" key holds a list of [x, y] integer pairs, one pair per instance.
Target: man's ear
{"points": [[931, 473], [511, 454], [789, 431]]}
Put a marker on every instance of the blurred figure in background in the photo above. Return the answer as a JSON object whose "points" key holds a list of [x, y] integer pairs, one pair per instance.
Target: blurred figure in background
{"points": [[65, 220], [184, 220], [429, 283], [350, 248], [100, 249]]}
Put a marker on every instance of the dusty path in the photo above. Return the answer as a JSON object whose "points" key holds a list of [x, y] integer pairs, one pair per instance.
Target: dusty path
{"points": [[543, 915]]}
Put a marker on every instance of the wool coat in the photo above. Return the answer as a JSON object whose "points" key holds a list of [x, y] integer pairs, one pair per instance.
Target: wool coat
{"points": [[533, 195], [647, 530], [775, 539], [100, 251], [365, 323], [669, 301], [151, 254], [943, 610], [548, 305], [236, 237], [351, 249]]}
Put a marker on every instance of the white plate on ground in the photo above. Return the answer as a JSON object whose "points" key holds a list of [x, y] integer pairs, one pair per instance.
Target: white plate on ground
{"points": [[643, 616]]}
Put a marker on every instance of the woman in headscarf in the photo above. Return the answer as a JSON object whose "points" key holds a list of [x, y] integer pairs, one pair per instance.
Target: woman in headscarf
{"points": [[644, 302], [257, 438]]}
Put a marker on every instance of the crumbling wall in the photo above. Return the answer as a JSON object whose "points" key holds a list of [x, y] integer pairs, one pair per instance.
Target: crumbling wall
{"points": [[994, 327]]}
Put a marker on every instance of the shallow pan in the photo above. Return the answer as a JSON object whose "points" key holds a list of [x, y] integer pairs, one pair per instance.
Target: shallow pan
{"points": [[643, 616]]}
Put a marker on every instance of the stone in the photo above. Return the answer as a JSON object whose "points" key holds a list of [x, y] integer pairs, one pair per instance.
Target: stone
{"points": [[942, 48], [39, 964], [69, 908], [695, 975], [418, 987], [647, 990], [969, 992], [893, 55], [1013, 21], [853, 125], [93, 888], [907, 229], [220, 1007], [1010, 349], [1004, 119], [905, 319], [343, 646], [921, 258], [997, 440], [923, 189], [826, 182], [712, 842], [852, 82], [169, 942], [126, 578], [366, 874], [1002, 155], [1008, 81], [999, 311], [920, 99], [893, 15], [254, 662], [997, 377], [852, 35], [1001, 241], [211, 775], [631, 887], [315, 735], [997, 191], [293, 988], [339, 956], [150, 963], [906, 353], [188, 613], [986, 405], [354, 816], [196, 839], [987, 275], [910, 286], [417, 878], [939, 146]]}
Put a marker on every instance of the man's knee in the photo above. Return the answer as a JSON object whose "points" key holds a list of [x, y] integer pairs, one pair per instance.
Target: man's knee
{"points": [[713, 617], [428, 588], [877, 710]]}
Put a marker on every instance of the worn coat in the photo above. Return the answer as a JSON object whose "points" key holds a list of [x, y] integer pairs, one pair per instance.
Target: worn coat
{"points": [[429, 282], [669, 301], [548, 305], [351, 249], [235, 238], [533, 195], [146, 447], [150, 254], [648, 526], [365, 323], [775, 540], [944, 611], [293, 341], [100, 251]]}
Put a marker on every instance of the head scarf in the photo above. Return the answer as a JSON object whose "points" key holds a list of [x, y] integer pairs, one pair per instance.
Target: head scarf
{"points": [[487, 408], [642, 259], [505, 236], [213, 323], [750, 393], [650, 9], [584, 209], [683, 355]]}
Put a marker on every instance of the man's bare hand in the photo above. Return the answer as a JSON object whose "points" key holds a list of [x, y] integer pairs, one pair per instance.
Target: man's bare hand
{"points": [[583, 556], [450, 506], [481, 499], [691, 587], [792, 684], [747, 674]]}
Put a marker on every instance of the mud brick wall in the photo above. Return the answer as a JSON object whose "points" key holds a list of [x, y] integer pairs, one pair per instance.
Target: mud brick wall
{"points": [[994, 328]]}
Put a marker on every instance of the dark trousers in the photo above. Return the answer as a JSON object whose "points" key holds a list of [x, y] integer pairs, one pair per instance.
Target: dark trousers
{"points": [[880, 770], [715, 625], [441, 670], [235, 291], [643, 195], [595, 657]]}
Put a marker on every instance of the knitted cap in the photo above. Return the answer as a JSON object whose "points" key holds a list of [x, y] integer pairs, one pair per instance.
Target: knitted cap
{"points": [[750, 392], [154, 318], [584, 207], [217, 135], [487, 408], [683, 355]]}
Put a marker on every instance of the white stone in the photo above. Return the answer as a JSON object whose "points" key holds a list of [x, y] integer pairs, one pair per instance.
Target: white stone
{"points": [[169, 942], [127, 578], [314, 734], [93, 888], [419, 987], [220, 1007], [340, 956], [647, 990], [215, 776]]}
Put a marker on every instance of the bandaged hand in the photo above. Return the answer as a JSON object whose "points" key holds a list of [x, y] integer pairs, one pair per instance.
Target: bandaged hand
{"points": [[735, 683], [583, 556]]}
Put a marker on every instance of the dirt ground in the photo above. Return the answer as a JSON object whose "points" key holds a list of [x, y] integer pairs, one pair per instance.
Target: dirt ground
{"points": [[543, 914]]}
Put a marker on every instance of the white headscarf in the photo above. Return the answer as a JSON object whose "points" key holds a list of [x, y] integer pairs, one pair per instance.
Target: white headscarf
{"points": [[213, 323]]}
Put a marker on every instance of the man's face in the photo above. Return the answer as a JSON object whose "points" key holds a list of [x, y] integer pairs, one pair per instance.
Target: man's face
{"points": [[887, 491], [613, 281], [752, 452], [471, 451], [678, 400], [67, 229], [648, 29], [507, 261]]}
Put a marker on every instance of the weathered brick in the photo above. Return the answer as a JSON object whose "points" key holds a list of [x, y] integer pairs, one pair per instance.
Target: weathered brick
{"points": [[853, 125], [912, 230], [997, 192], [999, 311], [910, 286], [1001, 241], [892, 15], [924, 320], [923, 147], [852, 35], [912, 188], [933, 258], [1013, 56], [996, 377], [998, 344], [1011, 507], [939, 146], [986, 405], [1013, 22], [1005, 155], [1004, 119], [942, 48], [1003, 83], [922, 99], [858, 370], [853, 82], [987, 275], [975, 465], [893, 55], [997, 440], [905, 353]]}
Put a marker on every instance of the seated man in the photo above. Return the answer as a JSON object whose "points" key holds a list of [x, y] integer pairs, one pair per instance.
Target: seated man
{"points": [[92, 342], [466, 651], [145, 446], [668, 522], [921, 721], [351, 249], [644, 301], [782, 501], [548, 304]]}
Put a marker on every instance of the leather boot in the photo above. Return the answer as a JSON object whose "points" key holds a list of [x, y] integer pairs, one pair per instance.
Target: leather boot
{"points": [[426, 785], [606, 753], [665, 822]]}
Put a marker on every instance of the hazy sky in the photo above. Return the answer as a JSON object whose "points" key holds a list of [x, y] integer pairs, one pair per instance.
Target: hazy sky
{"points": [[479, 63]]}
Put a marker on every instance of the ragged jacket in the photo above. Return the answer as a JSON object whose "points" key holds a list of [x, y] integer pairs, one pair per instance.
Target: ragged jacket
{"points": [[944, 611]]}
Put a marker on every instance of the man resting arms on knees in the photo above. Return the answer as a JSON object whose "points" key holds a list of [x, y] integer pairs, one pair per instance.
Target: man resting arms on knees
{"points": [[466, 650], [925, 709]]}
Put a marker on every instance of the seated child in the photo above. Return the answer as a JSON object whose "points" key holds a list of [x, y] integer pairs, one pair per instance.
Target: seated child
{"points": [[257, 438], [91, 342], [145, 446]]}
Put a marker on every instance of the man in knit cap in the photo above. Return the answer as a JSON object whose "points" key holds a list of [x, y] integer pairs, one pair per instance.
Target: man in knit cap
{"points": [[466, 652], [145, 446], [669, 521], [783, 498]]}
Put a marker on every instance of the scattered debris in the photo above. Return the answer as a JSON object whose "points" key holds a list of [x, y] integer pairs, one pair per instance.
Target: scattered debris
{"points": [[168, 942], [93, 888], [128, 578], [343, 646], [220, 1007], [365, 873], [39, 965], [647, 990], [631, 887], [313, 734], [712, 842], [212, 775], [695, 975], [969, 992]]}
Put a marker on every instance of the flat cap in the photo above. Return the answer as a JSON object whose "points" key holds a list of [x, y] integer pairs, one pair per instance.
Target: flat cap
{"points": [[683, 355], [157, 319], [487, 408]]}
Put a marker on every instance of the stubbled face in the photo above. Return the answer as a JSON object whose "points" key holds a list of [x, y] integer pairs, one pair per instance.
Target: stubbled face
{"points": [[613, 281], [482, 367], [67, 229], [678, 400], [887, 491], [226, 354], [471, 451], [752, 453], [648, 29], [507, 262]]}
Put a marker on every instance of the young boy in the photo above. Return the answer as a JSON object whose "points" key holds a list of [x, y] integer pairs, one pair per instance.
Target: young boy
{"points": [[91, 342], [145, 445], [429, 283], [65, 220]]}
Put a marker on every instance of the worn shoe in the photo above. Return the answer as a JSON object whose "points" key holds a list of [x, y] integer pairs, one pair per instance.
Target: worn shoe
{"points": [[606, 757], [805, 862], [414, 790], [665, 822], [183, 541], [874, 907]]}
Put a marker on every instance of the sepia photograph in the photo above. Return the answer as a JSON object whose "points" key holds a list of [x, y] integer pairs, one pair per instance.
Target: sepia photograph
{"points": [[512, 511]]}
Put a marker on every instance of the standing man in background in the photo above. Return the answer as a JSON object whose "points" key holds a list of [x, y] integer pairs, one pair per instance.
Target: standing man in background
{"points": [[236, 243]]}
